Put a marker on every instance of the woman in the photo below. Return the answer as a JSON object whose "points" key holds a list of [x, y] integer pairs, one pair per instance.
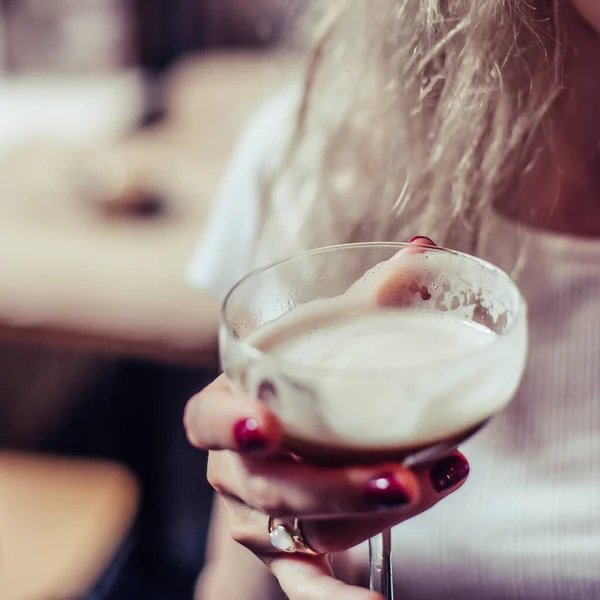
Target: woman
{"points": [[478, 123]]}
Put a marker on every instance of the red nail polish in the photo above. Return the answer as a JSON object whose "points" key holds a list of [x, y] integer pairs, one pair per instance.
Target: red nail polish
{"points": [[386, 492], [422, 240], [448, 473], [248, 436]]}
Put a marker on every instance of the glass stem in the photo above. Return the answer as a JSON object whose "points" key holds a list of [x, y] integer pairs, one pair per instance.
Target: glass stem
{"points": [[380, 556]]}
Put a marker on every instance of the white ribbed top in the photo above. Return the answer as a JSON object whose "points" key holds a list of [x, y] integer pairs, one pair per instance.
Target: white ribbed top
{"points": [[527, 523]]}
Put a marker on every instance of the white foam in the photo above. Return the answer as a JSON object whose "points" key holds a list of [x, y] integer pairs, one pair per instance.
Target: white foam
{"points": [[389, 377], [383, 340]]}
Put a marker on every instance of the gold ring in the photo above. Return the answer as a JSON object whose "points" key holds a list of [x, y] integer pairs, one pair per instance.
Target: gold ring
{"points": [[287, 536]]}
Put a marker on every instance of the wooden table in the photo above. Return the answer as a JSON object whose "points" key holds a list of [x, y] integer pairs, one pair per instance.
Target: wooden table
{"points": [[75, 276], [61, 522]]}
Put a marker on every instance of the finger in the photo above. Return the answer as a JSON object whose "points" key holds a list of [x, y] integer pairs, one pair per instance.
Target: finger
{"points": [[218, 418], [436, 482], [405, 281], [312, 579], [398, 282], [249, 527], [280, 487], [300, 577]]}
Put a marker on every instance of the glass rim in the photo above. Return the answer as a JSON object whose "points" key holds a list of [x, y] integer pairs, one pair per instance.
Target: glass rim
{"points": [[255, 353]]}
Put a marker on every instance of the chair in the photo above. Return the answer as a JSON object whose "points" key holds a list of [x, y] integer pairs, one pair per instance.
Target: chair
{"points": [[61, 523]]}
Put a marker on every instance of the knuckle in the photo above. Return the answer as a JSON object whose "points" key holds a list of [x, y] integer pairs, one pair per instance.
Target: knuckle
{"points": [[190, 421], [241, 531], [196, 411], [242, 536], [214, 473], [266, 497]]}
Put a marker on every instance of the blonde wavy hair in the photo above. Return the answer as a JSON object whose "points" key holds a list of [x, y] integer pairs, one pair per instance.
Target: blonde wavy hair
{"points": [[416, 116]]}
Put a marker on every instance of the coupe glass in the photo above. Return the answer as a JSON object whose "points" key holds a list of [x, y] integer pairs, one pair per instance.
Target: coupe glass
{"points": [[407, 407]]}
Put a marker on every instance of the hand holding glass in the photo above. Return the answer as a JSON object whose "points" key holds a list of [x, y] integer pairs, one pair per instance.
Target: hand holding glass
{"points": [[376, 352]]}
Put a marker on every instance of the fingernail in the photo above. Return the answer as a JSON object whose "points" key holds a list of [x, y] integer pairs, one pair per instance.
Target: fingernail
{"points": [[448, 473], [248, 436], [421, 239], [386, 492]]}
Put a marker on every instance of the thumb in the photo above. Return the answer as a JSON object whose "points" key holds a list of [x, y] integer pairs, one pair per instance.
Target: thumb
{"points": [[311, 578]]}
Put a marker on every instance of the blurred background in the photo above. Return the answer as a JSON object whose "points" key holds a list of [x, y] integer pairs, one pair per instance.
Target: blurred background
{"points": [[116, 121]]}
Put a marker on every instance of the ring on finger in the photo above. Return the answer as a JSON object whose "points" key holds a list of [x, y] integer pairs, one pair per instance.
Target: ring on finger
{"points": [[287, 536]]}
